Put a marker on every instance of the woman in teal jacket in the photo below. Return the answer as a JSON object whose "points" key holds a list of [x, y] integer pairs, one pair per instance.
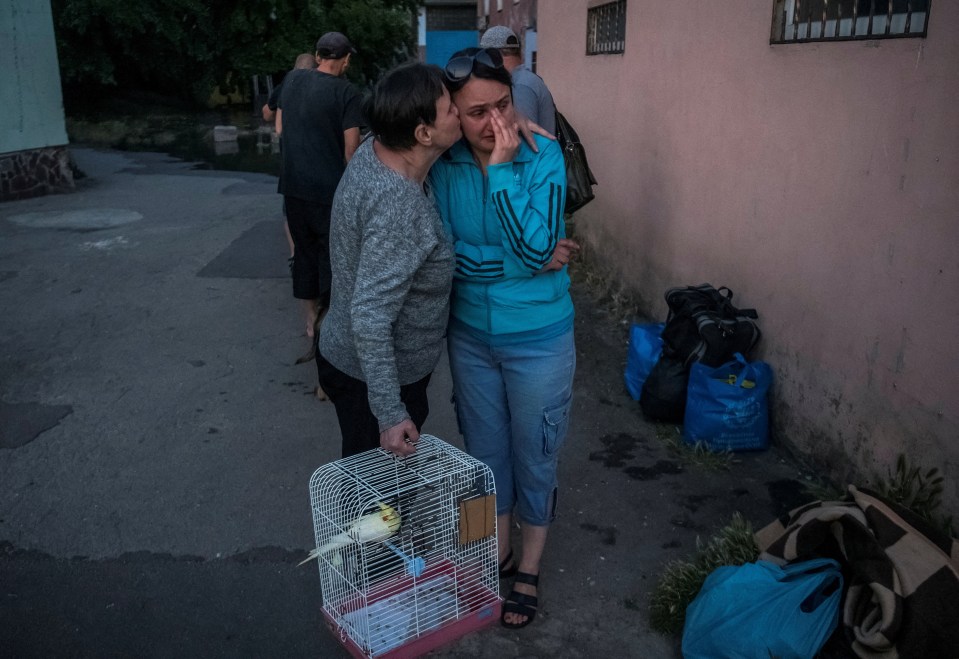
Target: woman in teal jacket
{"points": [[510, 337]]}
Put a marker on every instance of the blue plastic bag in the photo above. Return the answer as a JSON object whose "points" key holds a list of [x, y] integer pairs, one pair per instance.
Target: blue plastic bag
{"points": [[645, 344], [760, 610], [727, 407]]}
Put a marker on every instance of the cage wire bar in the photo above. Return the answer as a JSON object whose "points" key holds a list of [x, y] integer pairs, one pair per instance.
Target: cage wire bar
{"points": [[800, 21], [382, 595]]}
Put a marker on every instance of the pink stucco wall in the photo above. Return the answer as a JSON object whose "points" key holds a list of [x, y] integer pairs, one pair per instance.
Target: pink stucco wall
{"points": [[819, 181]]}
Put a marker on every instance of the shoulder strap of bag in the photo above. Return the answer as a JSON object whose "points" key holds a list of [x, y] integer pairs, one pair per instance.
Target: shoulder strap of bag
{"points": [[704, 294], [565, 133], [575, 155]]}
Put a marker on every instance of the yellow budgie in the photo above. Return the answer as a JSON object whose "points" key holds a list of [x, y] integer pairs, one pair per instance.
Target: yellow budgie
{"points": [[374, 527]]}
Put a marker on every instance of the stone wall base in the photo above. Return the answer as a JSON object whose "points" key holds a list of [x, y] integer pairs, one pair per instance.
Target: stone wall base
{"points": [[35, 172]]}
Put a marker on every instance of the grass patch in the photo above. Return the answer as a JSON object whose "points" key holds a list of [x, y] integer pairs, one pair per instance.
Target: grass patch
{"points": [[682, 580], [919, 491], [907, 485], [697, 454], [823, 490]]}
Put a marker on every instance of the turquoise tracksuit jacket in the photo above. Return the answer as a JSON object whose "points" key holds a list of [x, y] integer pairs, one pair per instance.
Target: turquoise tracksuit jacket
{"points": [[505, 228]]}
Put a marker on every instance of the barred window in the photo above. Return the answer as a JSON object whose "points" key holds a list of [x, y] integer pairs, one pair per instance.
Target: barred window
{"points": [[842, 20], [606, 28]]}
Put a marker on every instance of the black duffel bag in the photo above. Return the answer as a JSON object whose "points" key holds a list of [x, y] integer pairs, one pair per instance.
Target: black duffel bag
{"points": [[702, 325]]}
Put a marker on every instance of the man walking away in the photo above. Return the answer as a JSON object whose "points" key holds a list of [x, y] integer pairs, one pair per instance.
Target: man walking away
{"points": [[303, 61], [530, 94], [319, 117]]}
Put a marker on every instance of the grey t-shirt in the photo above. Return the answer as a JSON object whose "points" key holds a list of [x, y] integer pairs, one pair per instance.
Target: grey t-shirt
{"points": [[532, 98], [392, 267]]}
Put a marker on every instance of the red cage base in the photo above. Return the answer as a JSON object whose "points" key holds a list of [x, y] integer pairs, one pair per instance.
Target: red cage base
{"points": [[437, 638], [482, 616]]}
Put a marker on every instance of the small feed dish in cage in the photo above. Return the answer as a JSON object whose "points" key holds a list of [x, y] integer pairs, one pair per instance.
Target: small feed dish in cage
{"points": [[406, 548]]}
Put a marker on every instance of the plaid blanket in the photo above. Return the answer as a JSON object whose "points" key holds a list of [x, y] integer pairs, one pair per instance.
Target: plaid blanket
{"points": [[903, 575]]}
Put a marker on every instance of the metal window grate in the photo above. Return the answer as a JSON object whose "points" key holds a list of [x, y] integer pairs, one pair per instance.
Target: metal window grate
{"points": [[796, 21], [606, 29]]}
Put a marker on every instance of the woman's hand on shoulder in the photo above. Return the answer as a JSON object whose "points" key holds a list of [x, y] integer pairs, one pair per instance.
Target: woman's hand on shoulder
{"points": [[529, 129]]}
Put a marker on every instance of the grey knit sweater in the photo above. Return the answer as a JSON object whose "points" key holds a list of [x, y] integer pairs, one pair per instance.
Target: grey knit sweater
{"points": [[392, 267]]}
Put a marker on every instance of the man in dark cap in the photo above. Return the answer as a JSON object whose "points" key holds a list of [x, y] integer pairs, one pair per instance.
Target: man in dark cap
{"points": [[319, 116]]}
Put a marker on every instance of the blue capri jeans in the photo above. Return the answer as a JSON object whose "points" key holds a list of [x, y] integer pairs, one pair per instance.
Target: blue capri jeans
{"points": [[512, 404]]}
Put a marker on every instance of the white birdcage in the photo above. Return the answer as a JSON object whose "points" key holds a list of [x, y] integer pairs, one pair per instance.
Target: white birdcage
{"points": [[407, 554]]}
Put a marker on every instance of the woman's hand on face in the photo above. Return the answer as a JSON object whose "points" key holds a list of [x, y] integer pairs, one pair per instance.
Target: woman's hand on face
{"points": [[507, 139]]}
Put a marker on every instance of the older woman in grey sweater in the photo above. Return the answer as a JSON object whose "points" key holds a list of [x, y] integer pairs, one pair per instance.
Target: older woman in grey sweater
{"points": [[392, 265]]}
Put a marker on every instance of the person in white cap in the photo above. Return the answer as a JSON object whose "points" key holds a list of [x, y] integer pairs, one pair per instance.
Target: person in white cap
{"points": [[530, 94]]}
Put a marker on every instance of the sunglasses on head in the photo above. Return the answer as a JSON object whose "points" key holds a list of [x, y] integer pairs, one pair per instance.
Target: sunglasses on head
{"points": [[460, 68]]}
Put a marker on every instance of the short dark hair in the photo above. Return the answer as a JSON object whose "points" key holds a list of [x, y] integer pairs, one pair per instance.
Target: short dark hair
{"points": [[498, 73], [404, 98], [305, 61]]}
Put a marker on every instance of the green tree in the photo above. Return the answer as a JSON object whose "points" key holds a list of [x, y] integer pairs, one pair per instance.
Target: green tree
{"points": [[383, 31], [188, 47]]}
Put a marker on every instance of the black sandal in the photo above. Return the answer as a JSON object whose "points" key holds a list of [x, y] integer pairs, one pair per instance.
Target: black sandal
{"points": [[507, 568], [521, 603]]}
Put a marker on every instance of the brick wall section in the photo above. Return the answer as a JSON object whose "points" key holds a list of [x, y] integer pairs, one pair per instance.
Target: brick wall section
{"points": [[450, 18], [35, 172]]}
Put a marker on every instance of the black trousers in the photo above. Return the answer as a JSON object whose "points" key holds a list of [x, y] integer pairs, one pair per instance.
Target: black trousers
{"points": [[360, 429], [309, 223]]}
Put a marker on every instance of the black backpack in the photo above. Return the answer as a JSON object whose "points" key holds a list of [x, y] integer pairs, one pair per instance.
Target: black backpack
{"points": [[702, 325]]}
